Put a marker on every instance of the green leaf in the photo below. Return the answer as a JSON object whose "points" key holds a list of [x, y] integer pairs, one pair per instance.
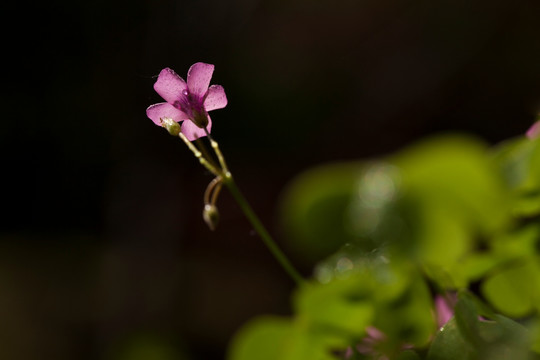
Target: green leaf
{"points": [[472, 267], [271, 338], [374, 291], [504, 339], [534, 327], [454, 196], [429, 202], [469, 338], [373, 272], [343, 305], [314, 208], [449, 344], [517, 244], [263, 338], [466, 316], [499, 338], [514, 289], [444, 236], [518, 160], [456, 173], [408, 355], [408, 319]]}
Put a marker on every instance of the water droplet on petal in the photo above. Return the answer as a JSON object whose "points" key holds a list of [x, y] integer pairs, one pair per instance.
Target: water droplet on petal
{"points": [[185, 92]]}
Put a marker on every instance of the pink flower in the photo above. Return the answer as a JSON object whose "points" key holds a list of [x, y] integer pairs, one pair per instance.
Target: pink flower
{"points": [[188, 102], [370, 344], [534, 131], [444, 308]]}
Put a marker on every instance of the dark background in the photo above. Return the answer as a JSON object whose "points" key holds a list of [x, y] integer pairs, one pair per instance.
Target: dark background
{"points": [[103, 252]]}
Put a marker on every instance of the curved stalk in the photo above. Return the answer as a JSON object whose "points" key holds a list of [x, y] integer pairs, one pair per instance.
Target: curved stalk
{"points": [[261, 230]]}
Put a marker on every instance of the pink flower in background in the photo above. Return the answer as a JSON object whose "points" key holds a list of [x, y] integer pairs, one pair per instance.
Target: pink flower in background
{"points": [[188, 102], [534, 131], [444, 308], [444, 311], [368, 345]]}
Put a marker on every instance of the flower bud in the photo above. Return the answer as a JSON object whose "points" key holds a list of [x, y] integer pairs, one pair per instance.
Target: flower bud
{"points": [[211, 216], [172, 127]]}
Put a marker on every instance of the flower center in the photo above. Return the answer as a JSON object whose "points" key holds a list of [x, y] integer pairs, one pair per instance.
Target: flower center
{"points": [[193, 106]]}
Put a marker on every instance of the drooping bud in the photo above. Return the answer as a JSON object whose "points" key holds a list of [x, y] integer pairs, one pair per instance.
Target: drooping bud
{"points": [[172, 127], [211, 216]]}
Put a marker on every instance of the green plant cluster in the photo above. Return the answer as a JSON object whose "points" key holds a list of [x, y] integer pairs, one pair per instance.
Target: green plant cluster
{"points": [[447, 216]]}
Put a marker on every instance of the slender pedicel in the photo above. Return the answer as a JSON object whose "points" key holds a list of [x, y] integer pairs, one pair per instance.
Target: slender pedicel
{"points": [[189, 103]]}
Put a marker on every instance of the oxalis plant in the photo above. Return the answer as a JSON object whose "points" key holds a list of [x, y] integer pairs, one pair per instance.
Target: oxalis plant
{"points": [[429, 253]]}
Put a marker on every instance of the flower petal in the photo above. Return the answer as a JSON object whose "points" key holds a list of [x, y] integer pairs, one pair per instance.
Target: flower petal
{"points": [[157, 111], [532, 133], [170, 85], [215, 99], [198, 78], [443, 311], [194, 132]]}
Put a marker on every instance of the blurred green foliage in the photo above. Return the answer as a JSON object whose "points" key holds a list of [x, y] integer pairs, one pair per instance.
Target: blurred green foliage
{"points": [[388, 235], [468, 336]]}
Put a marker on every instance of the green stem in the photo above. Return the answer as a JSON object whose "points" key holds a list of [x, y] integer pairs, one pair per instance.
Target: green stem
{"points": [[261, 230], [200, 156], [217, 151], [205, 153]]}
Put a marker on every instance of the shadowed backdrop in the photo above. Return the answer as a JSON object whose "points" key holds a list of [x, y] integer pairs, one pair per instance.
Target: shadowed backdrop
{"points": [[103, 251]]}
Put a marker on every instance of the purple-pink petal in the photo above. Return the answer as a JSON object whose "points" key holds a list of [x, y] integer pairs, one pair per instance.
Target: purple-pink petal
{"points": [[198, 78], [170, 85], [157, 111], [194, 132], [443, 311], [534, 131], [375, 334], [216, 98]]}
